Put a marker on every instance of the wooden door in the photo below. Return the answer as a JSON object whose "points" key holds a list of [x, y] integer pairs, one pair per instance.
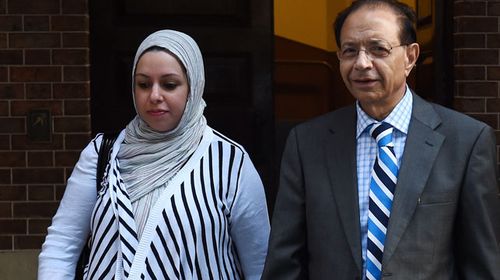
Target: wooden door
{"points": [[235, 37]]}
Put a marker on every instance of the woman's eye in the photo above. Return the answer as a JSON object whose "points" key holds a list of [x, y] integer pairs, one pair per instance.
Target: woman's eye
{"points": [[169, 86], [142, 85]]}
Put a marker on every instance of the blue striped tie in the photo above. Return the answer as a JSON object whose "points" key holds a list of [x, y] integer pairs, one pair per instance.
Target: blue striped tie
{"points": [[382, 185]]}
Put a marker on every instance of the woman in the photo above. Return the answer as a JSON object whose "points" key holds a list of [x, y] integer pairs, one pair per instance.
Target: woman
{"points": [[179, 200]]}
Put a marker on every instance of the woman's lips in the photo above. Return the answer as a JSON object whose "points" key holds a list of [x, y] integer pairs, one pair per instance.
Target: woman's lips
{"points": [[156, 113]]}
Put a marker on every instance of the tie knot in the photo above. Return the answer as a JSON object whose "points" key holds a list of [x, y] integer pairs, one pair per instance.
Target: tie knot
{"points": [[382, 133]]}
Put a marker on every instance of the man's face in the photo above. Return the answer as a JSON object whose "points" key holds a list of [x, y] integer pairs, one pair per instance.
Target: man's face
{"points": [[377, 82]]}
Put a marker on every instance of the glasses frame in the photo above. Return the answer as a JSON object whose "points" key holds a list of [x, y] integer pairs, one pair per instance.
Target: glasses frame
{"points": [[368, 54]]}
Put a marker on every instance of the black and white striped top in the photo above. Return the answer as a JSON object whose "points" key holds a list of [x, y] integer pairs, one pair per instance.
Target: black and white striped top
{"points": [[210, 223]]}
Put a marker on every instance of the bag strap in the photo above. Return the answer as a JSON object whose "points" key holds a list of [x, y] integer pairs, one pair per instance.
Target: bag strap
{"points": [[108, 139]]}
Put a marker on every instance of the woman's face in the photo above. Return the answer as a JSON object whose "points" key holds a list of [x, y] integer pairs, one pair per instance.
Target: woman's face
{"points": [[160, 90]]}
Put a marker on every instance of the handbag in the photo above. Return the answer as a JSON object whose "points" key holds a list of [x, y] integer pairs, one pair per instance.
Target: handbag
{"points": [[108, 139]]}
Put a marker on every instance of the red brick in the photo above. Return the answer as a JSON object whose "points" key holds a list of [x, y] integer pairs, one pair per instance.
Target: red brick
{"points": [[490, 119], [25, 242], [37, 175], [76, 107], [38, 91], [36, 23], [4, 142], [71, 124], [493, 8], [4, 108], [5, 176], [12, 125], [68, 171], [493, 40], [12, 159], [493, 73], [6, 209], [67, 158], [75, 40], [37, 57], [75, 7], [70, 57], [76, 141], [76, 74], [33, 7], [493, 106], [35, 74], [70, 23], [479, 57], [44, 192], [11, 23], [3, 40], [22, 142], [469, 9], [21, 108], [477, 89], [11, 91], [71, 90], [38, 226], [11, 57], [477, 24], [12, 193], [40, 159], [3, 5], [469, 105], [470, 73], [469, 41], [60, 191], [15, 226], [3, 74], [34, 40], [6, 243], [35, 209]]}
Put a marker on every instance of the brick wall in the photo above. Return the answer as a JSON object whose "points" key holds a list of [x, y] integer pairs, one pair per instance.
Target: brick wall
{"points": [[44, 64], [477, 60]]}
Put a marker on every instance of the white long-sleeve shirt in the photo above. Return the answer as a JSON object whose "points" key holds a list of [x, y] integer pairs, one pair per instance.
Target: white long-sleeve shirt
{"points": [[211, 222]]}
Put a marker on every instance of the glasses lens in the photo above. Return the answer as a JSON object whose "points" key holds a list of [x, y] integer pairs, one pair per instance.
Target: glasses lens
{"points": [[374, 49], [379, 49], [348, 52]]}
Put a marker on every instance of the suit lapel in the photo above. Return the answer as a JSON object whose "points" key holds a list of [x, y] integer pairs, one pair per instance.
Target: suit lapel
{"points": [[341, 163], [421, 148]]}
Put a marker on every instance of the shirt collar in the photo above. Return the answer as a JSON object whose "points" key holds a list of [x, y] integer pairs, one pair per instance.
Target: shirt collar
{"points": [[399, 117]]}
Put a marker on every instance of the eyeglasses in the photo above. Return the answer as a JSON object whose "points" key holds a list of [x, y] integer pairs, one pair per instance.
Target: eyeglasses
{"points": [[373, 50]]}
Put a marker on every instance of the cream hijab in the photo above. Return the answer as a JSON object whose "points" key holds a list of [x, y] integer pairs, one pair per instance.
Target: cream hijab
{"points": [[148, 159]]}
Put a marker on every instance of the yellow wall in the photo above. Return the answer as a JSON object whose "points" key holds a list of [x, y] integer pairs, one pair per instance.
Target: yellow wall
{"points": [[310, 21], [301, 20]]}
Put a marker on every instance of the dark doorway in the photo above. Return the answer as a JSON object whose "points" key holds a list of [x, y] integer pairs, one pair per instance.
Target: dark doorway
{"points": [[434, 73], [235, 37]]}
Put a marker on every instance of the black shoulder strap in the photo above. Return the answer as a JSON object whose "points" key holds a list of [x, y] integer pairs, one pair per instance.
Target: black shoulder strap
{"points": [[108, 139]]}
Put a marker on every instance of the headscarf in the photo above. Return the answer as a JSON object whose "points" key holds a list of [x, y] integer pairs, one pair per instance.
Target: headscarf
{"points": [[149, 159]]}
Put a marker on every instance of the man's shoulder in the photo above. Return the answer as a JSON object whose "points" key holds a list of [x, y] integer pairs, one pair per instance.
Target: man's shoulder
{"points": [[452, 119]]}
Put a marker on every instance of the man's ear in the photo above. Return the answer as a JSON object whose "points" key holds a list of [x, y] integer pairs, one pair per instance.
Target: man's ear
{"points": [[412, 52]]}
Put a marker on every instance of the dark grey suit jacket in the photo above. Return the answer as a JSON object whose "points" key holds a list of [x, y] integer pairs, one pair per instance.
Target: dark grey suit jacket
{"points": [[445, 220]]}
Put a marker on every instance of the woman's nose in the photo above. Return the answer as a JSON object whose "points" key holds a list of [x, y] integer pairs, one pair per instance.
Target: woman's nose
{"points": [[155, 95]]}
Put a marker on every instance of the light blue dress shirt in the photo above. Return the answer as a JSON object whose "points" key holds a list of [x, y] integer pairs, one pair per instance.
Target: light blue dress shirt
{"points": [[366, 152]]}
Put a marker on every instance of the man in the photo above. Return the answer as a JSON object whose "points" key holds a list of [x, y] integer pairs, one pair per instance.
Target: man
{"points": [[418, 202]]}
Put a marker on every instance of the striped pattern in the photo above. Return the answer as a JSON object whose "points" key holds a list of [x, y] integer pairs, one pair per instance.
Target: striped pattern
{"points": [[190, 240], [382, 185]]}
